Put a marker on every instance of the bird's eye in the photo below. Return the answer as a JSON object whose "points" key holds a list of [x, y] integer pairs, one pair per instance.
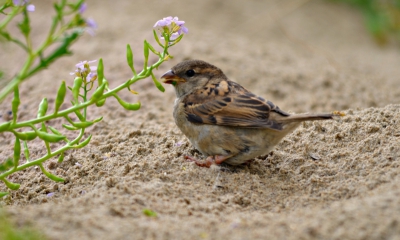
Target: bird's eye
{"points": [[190, 73]]}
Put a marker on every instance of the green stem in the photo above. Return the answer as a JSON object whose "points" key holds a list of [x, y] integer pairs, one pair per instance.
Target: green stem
{"points": [[85, 91], [17, 79], [141, 75], [25, 71], [85, 104], [9, 17], [44, 158], [18, 42], [147, 72]]}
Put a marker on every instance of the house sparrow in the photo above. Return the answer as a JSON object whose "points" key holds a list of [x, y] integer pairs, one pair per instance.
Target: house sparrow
{"points": [[223, 120]]}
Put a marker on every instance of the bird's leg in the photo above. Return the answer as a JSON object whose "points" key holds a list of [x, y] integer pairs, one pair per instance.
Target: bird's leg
{"points": [[210, 160]]}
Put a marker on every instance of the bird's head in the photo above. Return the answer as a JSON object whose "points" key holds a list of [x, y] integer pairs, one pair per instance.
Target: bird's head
{"points": [[191, 74]]}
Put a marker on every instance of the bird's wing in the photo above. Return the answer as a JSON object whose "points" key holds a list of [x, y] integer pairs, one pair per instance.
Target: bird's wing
{"points": [[229, 104]]}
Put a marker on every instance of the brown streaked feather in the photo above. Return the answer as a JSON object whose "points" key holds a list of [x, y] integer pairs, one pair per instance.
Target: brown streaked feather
{"points": [[229, 104]]}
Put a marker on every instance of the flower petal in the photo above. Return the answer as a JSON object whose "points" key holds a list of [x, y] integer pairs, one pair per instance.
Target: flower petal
{"points": [[82, 8], [174, 36], [30, 8]]}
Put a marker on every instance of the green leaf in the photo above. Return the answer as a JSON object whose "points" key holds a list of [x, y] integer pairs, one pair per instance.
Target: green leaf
{"points": [[2, 194], [146, 55], [149, 212], [4, 126], [48, 137], [98, 119], [157, 39], [55, 131], [7, 164], [98, 93], [58, 8], [11, 185], [24, 26], [15, 104], [17, 152], [61, 50], [26, 136], [176, 40], [82, 124], [61, 157], [49, 175], [76, 89], [129, 58], [79, 115], [101, 102], [100, 72], [153, 50], [60, 96], [6, 5], [6, 35], [76, 6], [166, 39], [26, 151], [42, 108], [86, 123], [69, 127], [84, 143], [157, 83], [127, 106]]}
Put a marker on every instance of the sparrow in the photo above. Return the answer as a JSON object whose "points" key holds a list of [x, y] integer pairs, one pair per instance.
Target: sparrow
{"points": [[223, 120]]}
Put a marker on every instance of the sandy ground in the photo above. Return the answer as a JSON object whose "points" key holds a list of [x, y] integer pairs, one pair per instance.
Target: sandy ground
{"points": [[327, 180]]}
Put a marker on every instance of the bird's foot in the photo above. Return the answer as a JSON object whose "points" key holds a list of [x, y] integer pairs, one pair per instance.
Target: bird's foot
{"points": [[210, 160]]}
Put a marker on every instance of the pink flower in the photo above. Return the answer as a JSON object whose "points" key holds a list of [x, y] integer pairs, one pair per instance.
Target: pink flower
{"points": [[172, 26], [29, 8]]}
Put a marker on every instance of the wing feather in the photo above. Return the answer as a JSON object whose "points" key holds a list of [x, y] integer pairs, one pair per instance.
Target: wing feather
{"points": [[229, 104]]}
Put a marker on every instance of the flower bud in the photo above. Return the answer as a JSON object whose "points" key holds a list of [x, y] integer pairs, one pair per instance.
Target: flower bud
{"points": [[129, 58], [48, 137], [42, 108], [76, 89], [26, 136], [100, 72]]}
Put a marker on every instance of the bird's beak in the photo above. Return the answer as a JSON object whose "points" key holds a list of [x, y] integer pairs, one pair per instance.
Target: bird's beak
{"points": [[170, 78]]}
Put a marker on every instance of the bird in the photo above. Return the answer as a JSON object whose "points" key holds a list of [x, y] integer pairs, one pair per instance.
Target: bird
{"points": [[223, 120]]}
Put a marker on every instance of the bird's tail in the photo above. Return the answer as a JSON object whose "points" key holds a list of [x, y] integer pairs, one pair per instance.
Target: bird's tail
{"points": [[312, 117]]}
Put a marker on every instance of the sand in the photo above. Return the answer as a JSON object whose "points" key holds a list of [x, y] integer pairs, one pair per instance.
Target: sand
{"points": [[327, 180]]}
